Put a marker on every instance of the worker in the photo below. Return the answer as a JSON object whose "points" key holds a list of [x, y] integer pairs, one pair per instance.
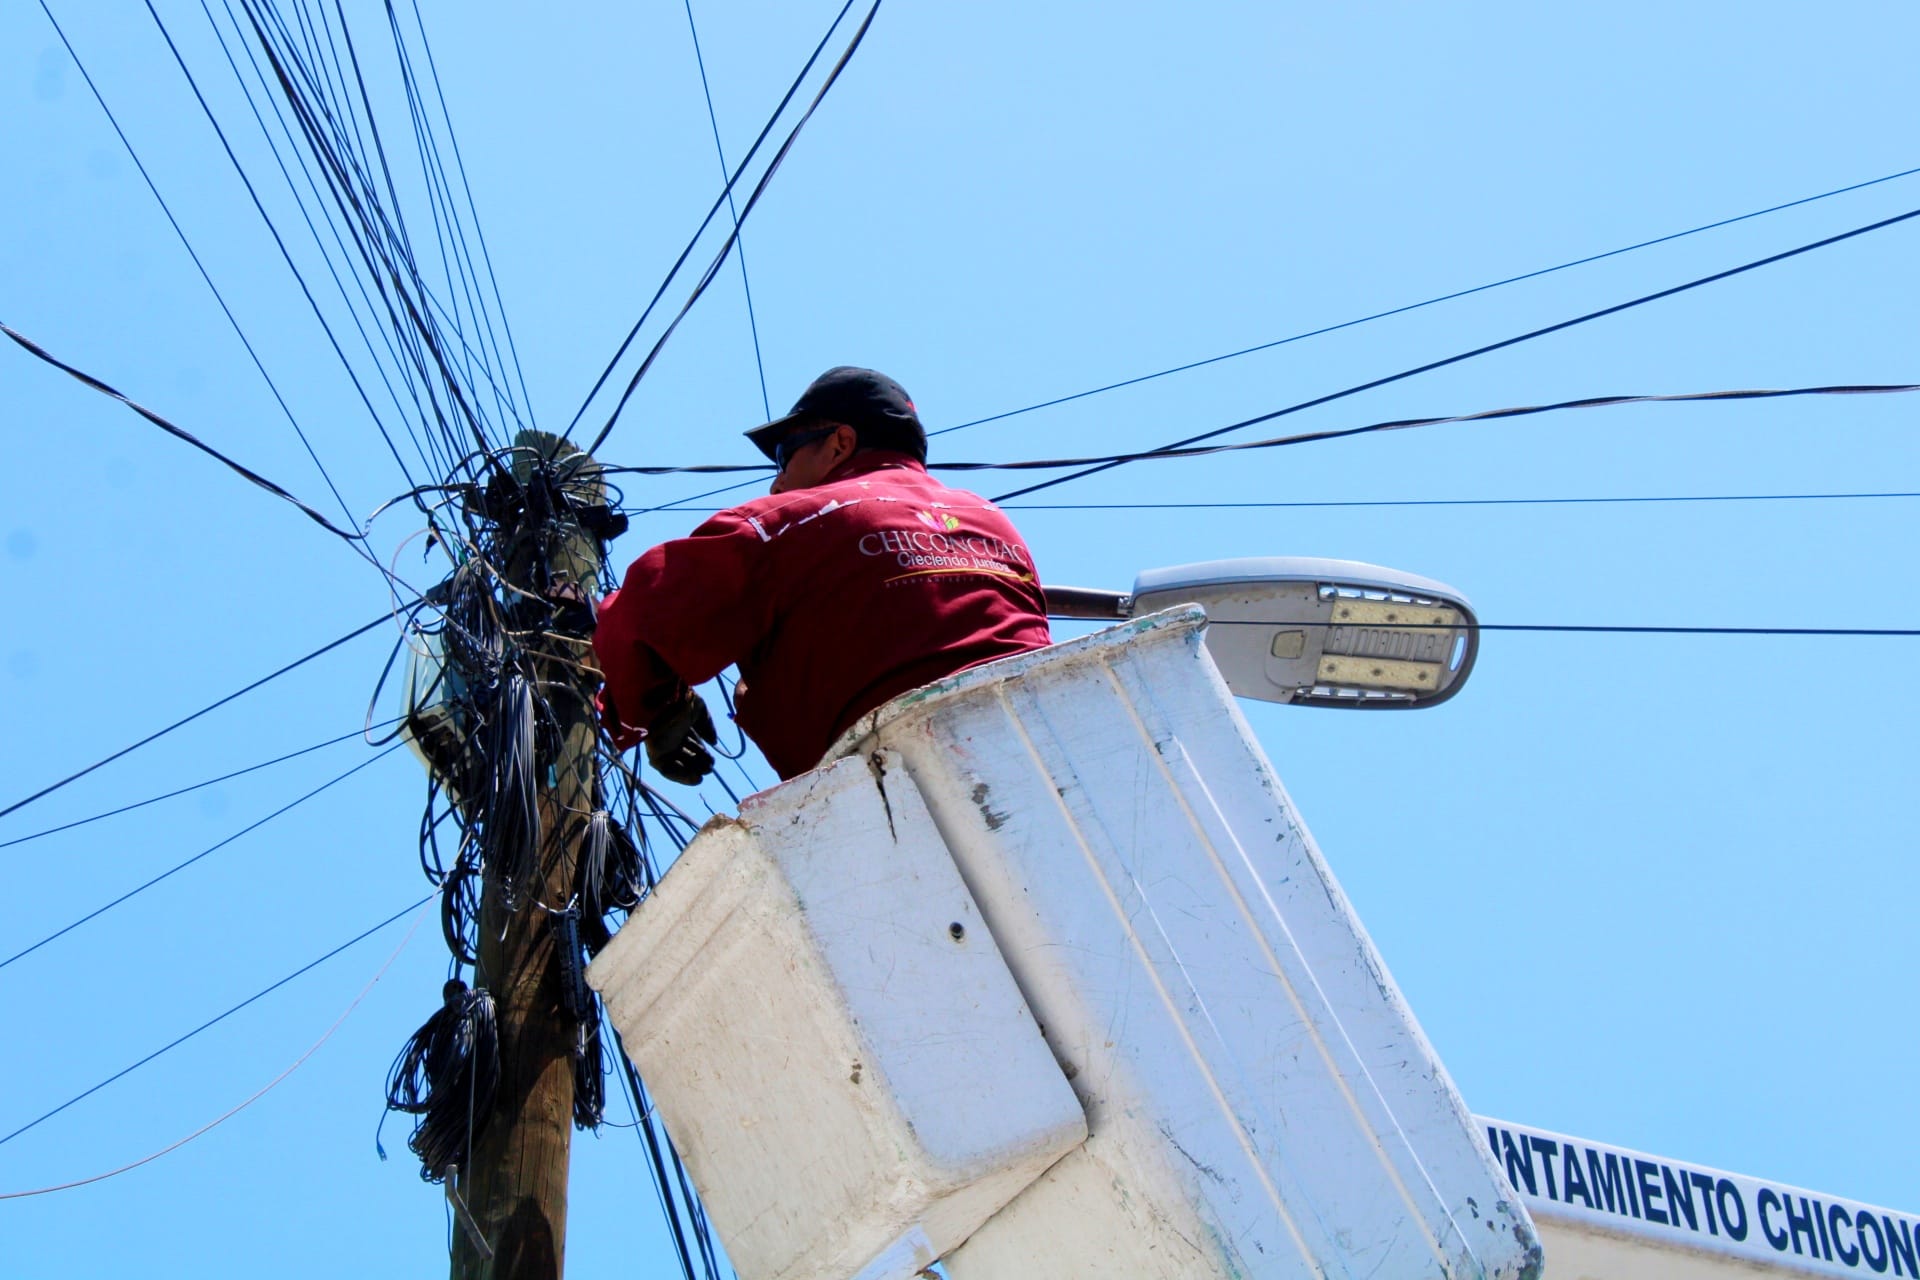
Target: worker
{"points": [[858, 577]]}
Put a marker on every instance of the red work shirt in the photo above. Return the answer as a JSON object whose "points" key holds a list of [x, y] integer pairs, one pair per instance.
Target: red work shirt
{"points": [[831, 600]]}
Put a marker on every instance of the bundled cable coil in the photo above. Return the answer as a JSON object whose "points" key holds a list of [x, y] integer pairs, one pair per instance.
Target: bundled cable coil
{"points": [[446, 1076], [611, 876], [509, 815]]}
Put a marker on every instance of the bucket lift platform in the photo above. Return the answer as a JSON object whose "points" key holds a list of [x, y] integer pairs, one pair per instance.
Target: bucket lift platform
{"points": [[1041, 974]]}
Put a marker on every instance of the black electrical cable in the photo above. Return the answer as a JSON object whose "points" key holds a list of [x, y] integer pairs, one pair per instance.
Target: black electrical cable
{"points": [[1490, 347], [393, 329], [1603, 629], [696, 469], [460, 910], [766, 129], [642, 1126], [331, 163], [708, 494], [713, 119], [181, 791], [329, 647], [479, 234], [427, 456], [35, 349], [1700, 631], [447, 1071], [1103, 461], [428, 331], [448, 233], [357, 541], [509, 821], [313, 303], [1426, 502], [661, 1154], [373, 130], [613, 872], [726, 247], [1415, 306], [381, 237], [178, 867], [1380, 315], [198, 265], [351, 189], [1444, 502], [218, 1018]]}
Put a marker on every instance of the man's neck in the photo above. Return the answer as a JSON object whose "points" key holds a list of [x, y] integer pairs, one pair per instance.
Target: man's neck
{"points": [[870, 460]]}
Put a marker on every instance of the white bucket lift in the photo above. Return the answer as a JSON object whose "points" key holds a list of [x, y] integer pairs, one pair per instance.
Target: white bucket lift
{"points": [[1257, 1099], [831, 1035]]}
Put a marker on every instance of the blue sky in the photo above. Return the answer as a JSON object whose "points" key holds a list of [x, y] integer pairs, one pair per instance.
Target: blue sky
{"points": [[1649, 890]]}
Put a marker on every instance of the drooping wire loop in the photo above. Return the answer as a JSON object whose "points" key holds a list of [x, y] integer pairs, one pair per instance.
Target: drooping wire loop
{"points": [[445, 1076]]}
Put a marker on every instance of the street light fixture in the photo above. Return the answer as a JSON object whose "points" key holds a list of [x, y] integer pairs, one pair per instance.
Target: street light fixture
{"points": [[1309, 632]]}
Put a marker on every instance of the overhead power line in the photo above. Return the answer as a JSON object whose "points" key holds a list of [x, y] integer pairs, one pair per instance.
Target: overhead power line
{"points": [[356, 541], [746, 211], [186, 244], [179, 433], [197, 786], [326, 217], [1348, 324], [1421, 502], [712, 211], [1101, 461], [1488, 347], [218, 1018], [713, 119], [329, 647], [450, 227], [1602, 628], [661, 1153], [244, 1103], [1701, 631], [1415, 306], [676, 504], [285, 252], [460, 167], [379, 229], [178, 867], [1401, 424]]}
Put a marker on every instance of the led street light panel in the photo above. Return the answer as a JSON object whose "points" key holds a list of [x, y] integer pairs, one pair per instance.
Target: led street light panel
{"points": [[1328, 633]]}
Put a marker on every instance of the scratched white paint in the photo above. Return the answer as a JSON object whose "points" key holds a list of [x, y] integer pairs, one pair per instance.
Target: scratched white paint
{"points": [[832, 1038], [1260, 1099]]}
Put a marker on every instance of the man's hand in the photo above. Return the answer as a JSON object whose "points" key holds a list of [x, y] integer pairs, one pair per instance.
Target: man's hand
{"points": [[674, 743], [623, 736]]}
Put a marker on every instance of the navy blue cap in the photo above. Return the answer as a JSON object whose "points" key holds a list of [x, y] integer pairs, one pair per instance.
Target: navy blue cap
{"points": [[874, 405]]}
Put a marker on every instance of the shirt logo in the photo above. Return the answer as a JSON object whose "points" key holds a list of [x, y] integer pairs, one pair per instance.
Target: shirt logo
{"points": [[943, 522]]}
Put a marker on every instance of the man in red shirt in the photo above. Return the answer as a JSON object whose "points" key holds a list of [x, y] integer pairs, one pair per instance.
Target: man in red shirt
{"points": [[858, 577]]}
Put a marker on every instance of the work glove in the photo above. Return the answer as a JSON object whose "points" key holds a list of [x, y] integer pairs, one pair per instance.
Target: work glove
{"points": [[674, 742]]}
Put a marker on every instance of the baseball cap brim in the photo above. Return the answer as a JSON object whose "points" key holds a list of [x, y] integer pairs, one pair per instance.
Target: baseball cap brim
{"points": [[874, 405], [767, 438]]}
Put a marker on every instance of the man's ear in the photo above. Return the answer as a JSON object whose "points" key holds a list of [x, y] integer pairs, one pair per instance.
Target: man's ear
{"points": [[846, 442]]}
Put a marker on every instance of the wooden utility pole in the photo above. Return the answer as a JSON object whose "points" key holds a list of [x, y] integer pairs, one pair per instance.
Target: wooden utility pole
{"points": [[515, 1185]]}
